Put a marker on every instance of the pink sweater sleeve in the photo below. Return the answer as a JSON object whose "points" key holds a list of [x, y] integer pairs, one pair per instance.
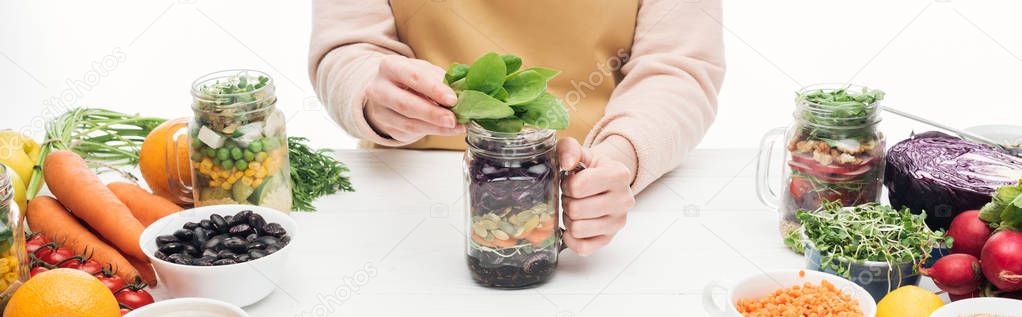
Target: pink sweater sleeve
{"points": [[349, 38], [668, 96]]}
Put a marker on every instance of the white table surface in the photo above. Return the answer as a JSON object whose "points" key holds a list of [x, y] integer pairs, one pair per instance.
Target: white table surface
{"points": [[396, 246]]}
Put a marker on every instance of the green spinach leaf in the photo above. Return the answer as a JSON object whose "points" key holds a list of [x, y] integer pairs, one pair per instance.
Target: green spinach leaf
{"points": [[507, 125], [501, 94], [456, 72], [545, 112], [476, 105], [547, 73], [512, 62], [524, 87], [486, 74]]}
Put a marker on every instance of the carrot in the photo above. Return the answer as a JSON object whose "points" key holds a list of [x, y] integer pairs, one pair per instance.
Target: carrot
{"points": [[804, 300], [146, 207], [84, 194], [537, 236], [47, 216], [145, 270]]}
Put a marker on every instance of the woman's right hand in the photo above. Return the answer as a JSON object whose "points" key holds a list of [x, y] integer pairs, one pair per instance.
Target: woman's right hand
{"points": [[407, 99]]}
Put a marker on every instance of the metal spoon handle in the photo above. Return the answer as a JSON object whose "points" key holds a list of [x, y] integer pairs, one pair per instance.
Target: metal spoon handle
{"points": [[961, 133]]}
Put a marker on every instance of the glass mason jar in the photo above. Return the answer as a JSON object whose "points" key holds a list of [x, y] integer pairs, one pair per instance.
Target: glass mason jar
{"points": [[512, 184], [832, 154], [13, 261], [239, 152]]}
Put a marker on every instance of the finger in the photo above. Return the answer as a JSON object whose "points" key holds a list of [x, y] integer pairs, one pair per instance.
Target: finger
{"points": [[423, 79], [406, 129], [587, 183], [569, 153], [593, 207], [414, 106], [585, 247], [583, 229]]}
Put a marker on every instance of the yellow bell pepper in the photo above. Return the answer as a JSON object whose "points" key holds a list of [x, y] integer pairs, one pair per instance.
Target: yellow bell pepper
{"points": [[19, 152]]}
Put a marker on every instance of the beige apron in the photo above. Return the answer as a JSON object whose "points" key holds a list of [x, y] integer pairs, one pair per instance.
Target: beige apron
{"points": [[586, 39]]}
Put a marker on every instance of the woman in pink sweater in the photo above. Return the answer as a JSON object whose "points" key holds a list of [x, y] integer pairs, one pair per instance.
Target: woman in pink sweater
{"points": [[639, 77]]}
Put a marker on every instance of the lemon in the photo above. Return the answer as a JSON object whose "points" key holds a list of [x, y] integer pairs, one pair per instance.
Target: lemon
{"points": [[908, 301], [63, 292]]}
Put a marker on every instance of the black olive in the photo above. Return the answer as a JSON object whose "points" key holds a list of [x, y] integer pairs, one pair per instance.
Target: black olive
{"points": [[201, 236], [274, 229], [268, 240], [184, 235], [172, 248], [236, 244], [257, 222], [271, 249], [208, 252], [191, 250], [219, 223], [256, 245], [191, 225], [252, 237], [206, 224], [180, 258], [244, 258], [161, 240], [204, 261], [228, 219], [255, 254], [225, 262], [215, 243], [160, 255], [241, 230], [240, 217], [224, 254]]}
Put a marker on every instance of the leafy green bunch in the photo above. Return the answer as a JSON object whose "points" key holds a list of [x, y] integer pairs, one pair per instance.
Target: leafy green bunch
{"points": [[868, 232], [1004, 211], [495, 93]]}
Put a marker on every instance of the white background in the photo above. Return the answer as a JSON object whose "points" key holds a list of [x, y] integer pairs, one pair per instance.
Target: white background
{"points": [[950, 60]]}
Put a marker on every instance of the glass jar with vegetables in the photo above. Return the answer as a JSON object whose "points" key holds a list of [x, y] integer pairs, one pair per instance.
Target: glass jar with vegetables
{"points": [[12, 239], [833, 153], [239, 149], [512, 184], [512, 178]]}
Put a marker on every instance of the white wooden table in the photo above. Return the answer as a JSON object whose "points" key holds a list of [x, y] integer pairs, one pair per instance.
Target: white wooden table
{"points": [[396, 246]]}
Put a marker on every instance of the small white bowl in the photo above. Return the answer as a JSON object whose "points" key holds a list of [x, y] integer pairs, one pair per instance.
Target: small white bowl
{"points": [[188, 307], [761, 285], [988, 305], [240, 284]]}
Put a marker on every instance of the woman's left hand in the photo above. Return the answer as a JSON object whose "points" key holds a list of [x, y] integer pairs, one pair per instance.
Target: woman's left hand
{"points": [[596, 200]]}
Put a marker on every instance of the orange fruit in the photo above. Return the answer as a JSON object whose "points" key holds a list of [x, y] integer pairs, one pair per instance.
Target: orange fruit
{"points": [[63, 293], [164, 163]]}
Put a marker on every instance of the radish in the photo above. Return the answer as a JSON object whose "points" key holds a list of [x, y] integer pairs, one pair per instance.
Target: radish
{"points": [[954, 297], [969, 232], [1002, 260], [957, 274]]}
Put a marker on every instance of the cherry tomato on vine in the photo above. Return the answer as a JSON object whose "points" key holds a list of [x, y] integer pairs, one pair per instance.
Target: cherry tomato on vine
{"points": [[35, 243], [36, 270], [55, 256], [72, 263], [112, 282], [134, 299], [91, 267]]}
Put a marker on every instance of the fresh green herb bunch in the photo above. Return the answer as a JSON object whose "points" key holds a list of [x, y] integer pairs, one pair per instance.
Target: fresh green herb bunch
{"points": [[314, 173], [868, 232], [494, 93], [104, 138], [825, 109], [1004, 211]]}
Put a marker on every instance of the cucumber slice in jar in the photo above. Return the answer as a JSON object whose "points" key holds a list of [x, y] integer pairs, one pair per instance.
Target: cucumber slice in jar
{"points": [[241, 191]]}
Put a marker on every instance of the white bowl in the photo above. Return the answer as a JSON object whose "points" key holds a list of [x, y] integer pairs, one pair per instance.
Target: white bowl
{"points": [[761, 285], [240, 284], [990, 305], [188, 307]]}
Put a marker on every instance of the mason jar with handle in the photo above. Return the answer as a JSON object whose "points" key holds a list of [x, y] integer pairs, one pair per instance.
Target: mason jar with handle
{"points": [[512, 187], [239, 150], [13, 258], [833, 153]]}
